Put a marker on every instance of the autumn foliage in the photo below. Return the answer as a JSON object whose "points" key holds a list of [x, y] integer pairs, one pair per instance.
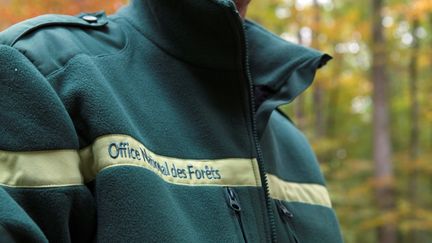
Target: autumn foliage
{"points": [[13, 11]]}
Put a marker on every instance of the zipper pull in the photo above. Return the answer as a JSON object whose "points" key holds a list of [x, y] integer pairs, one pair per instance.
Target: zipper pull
{"points": [[234, 204], [232, 199], [283, 211]]}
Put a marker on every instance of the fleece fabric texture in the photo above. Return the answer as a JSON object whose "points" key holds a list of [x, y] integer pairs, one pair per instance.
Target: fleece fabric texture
{"points": [[178, 77]]}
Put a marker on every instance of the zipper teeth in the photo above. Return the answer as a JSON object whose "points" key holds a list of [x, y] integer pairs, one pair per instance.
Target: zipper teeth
{"points": [[263, 175], [260, 160]]}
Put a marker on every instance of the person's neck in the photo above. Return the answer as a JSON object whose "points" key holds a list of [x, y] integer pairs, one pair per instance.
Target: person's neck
{"points": [[242, 6]]}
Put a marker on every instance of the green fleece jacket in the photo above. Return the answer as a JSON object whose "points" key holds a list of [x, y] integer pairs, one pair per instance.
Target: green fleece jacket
{"points": [[156, 124]]}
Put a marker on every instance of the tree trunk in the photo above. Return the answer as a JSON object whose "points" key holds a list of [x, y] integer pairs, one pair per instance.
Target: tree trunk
{"points": [[299, 107], [384, 192], [414, 104], [414, 117], [333, 99], [317, 95]]}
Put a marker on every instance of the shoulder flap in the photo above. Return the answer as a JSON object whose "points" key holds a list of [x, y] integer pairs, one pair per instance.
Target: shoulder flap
{"points": [[85, 20]]}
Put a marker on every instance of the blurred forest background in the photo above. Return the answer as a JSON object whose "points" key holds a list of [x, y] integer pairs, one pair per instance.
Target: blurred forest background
{"points": [[368, 114]]}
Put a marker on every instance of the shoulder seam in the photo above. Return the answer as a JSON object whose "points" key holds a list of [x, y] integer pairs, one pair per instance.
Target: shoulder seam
{"points": [[14, 33], [55, 72]]}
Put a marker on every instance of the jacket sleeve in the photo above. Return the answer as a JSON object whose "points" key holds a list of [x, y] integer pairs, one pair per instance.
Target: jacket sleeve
{"points": [[15, 223], [37, 138]]}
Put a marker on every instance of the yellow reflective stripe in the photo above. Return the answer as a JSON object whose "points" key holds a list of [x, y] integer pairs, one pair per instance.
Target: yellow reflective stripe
{"points": [[40, 168], [115, 150], [71, 167], [298, 192]]}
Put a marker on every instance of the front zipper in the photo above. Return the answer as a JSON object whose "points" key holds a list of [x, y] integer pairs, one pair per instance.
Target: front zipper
{"points": [[287, 218], [247, 75], [234, 204]]}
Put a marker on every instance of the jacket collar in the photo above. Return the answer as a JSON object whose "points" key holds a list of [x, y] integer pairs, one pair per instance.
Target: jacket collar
{"points": [[281, 70], [210, 33], [196, 31]]}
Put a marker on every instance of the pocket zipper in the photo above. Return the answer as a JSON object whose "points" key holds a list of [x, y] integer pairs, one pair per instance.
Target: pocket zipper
{"points": [[287, 217], [284, 212], [234, 204]]}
